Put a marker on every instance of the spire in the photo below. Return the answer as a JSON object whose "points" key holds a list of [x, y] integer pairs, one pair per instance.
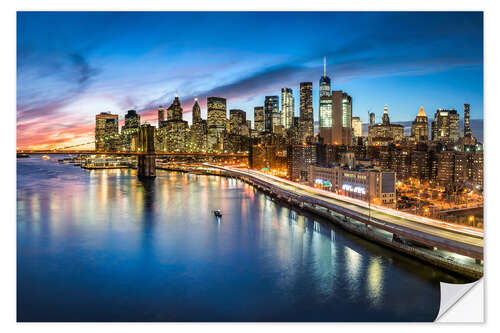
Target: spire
{"points": [[421, 113], [324, 66], [385, 108]]}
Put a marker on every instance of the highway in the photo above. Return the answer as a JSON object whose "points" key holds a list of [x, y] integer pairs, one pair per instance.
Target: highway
{"points": [[444, 230]]}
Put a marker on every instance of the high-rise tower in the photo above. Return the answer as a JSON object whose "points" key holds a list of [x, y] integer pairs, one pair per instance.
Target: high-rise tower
{"points": [[467, 130], [306, 111], [287, 107], [196, 112], [325, 106], [272, 113]]}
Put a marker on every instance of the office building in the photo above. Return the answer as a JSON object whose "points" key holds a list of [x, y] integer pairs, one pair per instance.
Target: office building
{"points": [[106, 132], [385, 133], [306, 112], [287, 107], [130, 128], [420, 127], [216, 122], [325, 107], [357, 127], [445, 126], [259, 122], [341, 118], [272, 113], [299, 158], [161, 116]]}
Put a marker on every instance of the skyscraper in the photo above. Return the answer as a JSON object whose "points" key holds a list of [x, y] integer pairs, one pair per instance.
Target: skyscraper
{"points": [[346, 119], [306, 112], [132, 120], [216, 121], [161, 116], [272, 113], [106, 131], [336, 136], [237, 120], [287, 107], [420, 127], [259, 118], [467, 130], [357, 127], [174, 111], [372, 118], [196, 114], [325, 107], [445, 126]]}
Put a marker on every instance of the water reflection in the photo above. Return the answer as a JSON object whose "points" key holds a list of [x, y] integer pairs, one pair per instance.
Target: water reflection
{"points": [[107, 246]]}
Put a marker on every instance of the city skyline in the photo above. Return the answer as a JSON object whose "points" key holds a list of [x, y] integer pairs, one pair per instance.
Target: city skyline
{"points": [[62, 84]]}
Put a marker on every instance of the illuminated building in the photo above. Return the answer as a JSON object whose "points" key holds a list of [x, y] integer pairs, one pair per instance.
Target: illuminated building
{"points": [[341, 119], [420, 127], [287, 107], [216, 122], [237, 120], [173, 136], [460, 168], [477, 168], [468, 139], [130, 128], [259, 119], [401, 163], [293, 133], [272, 113], [446, 166], [467, 130], [325, 107], [385, 133], [363, 183], [106, 132], [372, 118], [161, 116], [198, 132], [306, 112], [299, 158], [420, 168], [196, 113], [445, 126], [357, 127]]}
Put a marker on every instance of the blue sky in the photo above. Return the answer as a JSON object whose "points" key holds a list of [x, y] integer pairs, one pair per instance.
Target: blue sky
{"points": [[73, 65]]}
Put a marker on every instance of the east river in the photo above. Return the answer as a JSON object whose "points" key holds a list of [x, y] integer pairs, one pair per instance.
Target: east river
{"points": [[103, 246]]}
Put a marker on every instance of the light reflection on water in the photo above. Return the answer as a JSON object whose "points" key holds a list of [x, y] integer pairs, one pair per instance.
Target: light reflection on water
{"points": [[104, 246]]}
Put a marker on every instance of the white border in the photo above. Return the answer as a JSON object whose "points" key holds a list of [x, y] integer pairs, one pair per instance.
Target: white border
{"points": [[8, 234]]}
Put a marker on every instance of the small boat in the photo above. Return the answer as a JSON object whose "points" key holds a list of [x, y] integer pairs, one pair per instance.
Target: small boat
{"points": [[45, 157], [22, 155], [217, 213]]}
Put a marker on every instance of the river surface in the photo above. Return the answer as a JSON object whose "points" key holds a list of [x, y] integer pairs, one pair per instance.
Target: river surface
{"points": [[103, 246]]}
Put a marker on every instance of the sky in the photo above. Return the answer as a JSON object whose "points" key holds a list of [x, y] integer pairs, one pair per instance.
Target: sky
{"points": [[74, 65]]}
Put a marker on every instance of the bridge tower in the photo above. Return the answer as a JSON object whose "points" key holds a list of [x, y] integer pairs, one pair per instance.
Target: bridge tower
{"points": [[146, 164]]}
